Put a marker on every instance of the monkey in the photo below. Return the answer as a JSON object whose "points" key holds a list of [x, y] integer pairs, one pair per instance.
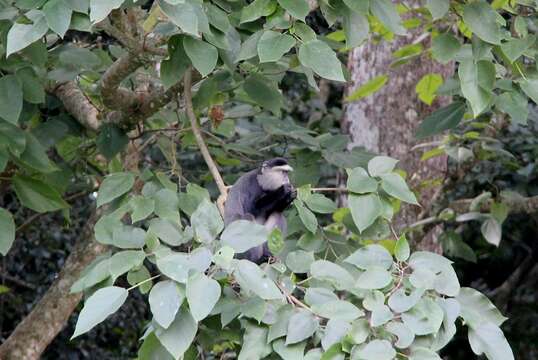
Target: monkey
{"points": [[261, 195]]}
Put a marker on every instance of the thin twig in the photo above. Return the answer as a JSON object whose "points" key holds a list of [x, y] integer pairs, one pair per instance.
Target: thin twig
{"points": [[143, 282], [329, 189]]}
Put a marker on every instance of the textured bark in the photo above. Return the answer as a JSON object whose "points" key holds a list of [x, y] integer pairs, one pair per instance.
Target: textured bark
{"points": [[77, 104], [386, 121], [32, 336]]}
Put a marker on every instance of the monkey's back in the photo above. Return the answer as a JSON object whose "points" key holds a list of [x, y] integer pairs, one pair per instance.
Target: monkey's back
{"points": [[242, 193]]}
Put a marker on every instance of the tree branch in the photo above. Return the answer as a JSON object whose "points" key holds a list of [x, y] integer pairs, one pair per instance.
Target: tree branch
{"points": [[77, 104], [114, 97], [517, 205]]}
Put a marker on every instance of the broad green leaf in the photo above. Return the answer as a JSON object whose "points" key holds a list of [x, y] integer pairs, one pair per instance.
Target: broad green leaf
{"points": [[126, 237], [218, 18], [254, 345], [111, 140], [368, 88], [401, 302], [165, 300], [477, 309], [446, 282], [370, 256], [307, 217], [173, 68], [365, 209], [482, 20], [530, 87], [79, 57], [58, 15], [316, 296], [377, 349], [203, 56], [356, 28], [114, 186], [252, 278], [301, 326], [12, 138], [242, 235], [37, 195], [360, 330], [179, 335], [264, 93], [152, 349], [514, 104], [100, 9], [35, 156], [404, 334], [304, 32], [167, 205], [335, 331], [387, 13], [438, 8], [445, 47], [381, 315], [279, 327], [358, 181], [395, 186], [187, 15], [443, 119], [123, 261], [142, 207], [338, 309], [140, 276], [381, 165], [424, 318], [7, 235], [177, 265], [202, 295], [299, 9], [321, 204], [492, 231], [427, 87], [289, 352], [514, 48], [359, 6], [489, 339], [374, 278], [98, 307], [21, 35], [257, 9], [33, 90], [401, 249], [169, 232], [249, 48], [319, 57], [327, 271], [299, 261], [273, 45], [421, 353], [477, 80], [10, 99], [207, 222]]}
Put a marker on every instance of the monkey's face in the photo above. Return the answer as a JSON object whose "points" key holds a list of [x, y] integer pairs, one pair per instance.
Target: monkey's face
{"points": [[273, 177]]}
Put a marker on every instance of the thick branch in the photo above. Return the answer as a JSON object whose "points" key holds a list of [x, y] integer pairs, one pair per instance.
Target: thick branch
{"points": [[517, 205], [78, 105], [114, 97], [187, 82], [48, 317]]}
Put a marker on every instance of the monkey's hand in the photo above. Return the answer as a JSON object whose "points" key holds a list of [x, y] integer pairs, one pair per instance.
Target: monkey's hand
{"points": [[290, 193]]}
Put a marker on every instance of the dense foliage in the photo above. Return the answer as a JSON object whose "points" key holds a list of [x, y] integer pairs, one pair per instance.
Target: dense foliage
{"points": [[91, 88]]}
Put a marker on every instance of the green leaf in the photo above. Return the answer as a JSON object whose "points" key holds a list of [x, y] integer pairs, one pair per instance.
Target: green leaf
{"points": [[356, 28], [21, 35], [275, 241], [387, 13], [301, 326], [488, 339], [297, 8], [142, 207], [7, 235], [404, 334], [254, 345], [396, 187], [218, 18], [381, 315], [319, 57], [264, 93], [338, 309], [299, 261], [167, 205], [327, 271], [100, 9], [58, 15], [307, 217], [152, 349], [514, 104], [10, 99], [400, 302], [242, 235], [291, 352], [114, 186], [492, 231], [321, 204], [530, 88], [369, 88], [442, 119], [202, 295], [37, 195], [126, 236], [359, 6], [377, 350], [477, 80], [203, 55], [179, 335], [188, 15], [477, 309], [177, 265], [249, 48], [257, 9], [111, 140], [252, 278], [381, 165], [374, 278], [401, 249], [421, 353], [136, 276], [438, 8], [35, 156], [273, 45], [123, 261], [365, 209], [173, 68], [445, 47], [482, 20], [169, 232], [358, 181], [515, 47], [33, 90], [207, 222], [370, 256], [335, 331], [427, 87], [424, 318], [98, 307]]}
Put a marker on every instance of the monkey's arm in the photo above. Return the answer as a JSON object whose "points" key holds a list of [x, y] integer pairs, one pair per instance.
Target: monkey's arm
{"points": [[276, 201]]}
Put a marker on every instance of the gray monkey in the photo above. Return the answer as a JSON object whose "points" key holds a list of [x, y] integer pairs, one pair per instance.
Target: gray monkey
{"points": [[261, 195]]}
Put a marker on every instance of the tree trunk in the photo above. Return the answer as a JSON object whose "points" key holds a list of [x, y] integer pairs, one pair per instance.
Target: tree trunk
{"points": [[32, 336], [386, 121]]}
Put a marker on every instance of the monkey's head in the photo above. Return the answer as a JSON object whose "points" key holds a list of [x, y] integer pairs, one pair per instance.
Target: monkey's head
{"points": [[274, 173]]}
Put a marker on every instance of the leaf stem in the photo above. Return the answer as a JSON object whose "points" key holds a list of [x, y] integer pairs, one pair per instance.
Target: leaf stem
{"points": [[143, 282]]}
